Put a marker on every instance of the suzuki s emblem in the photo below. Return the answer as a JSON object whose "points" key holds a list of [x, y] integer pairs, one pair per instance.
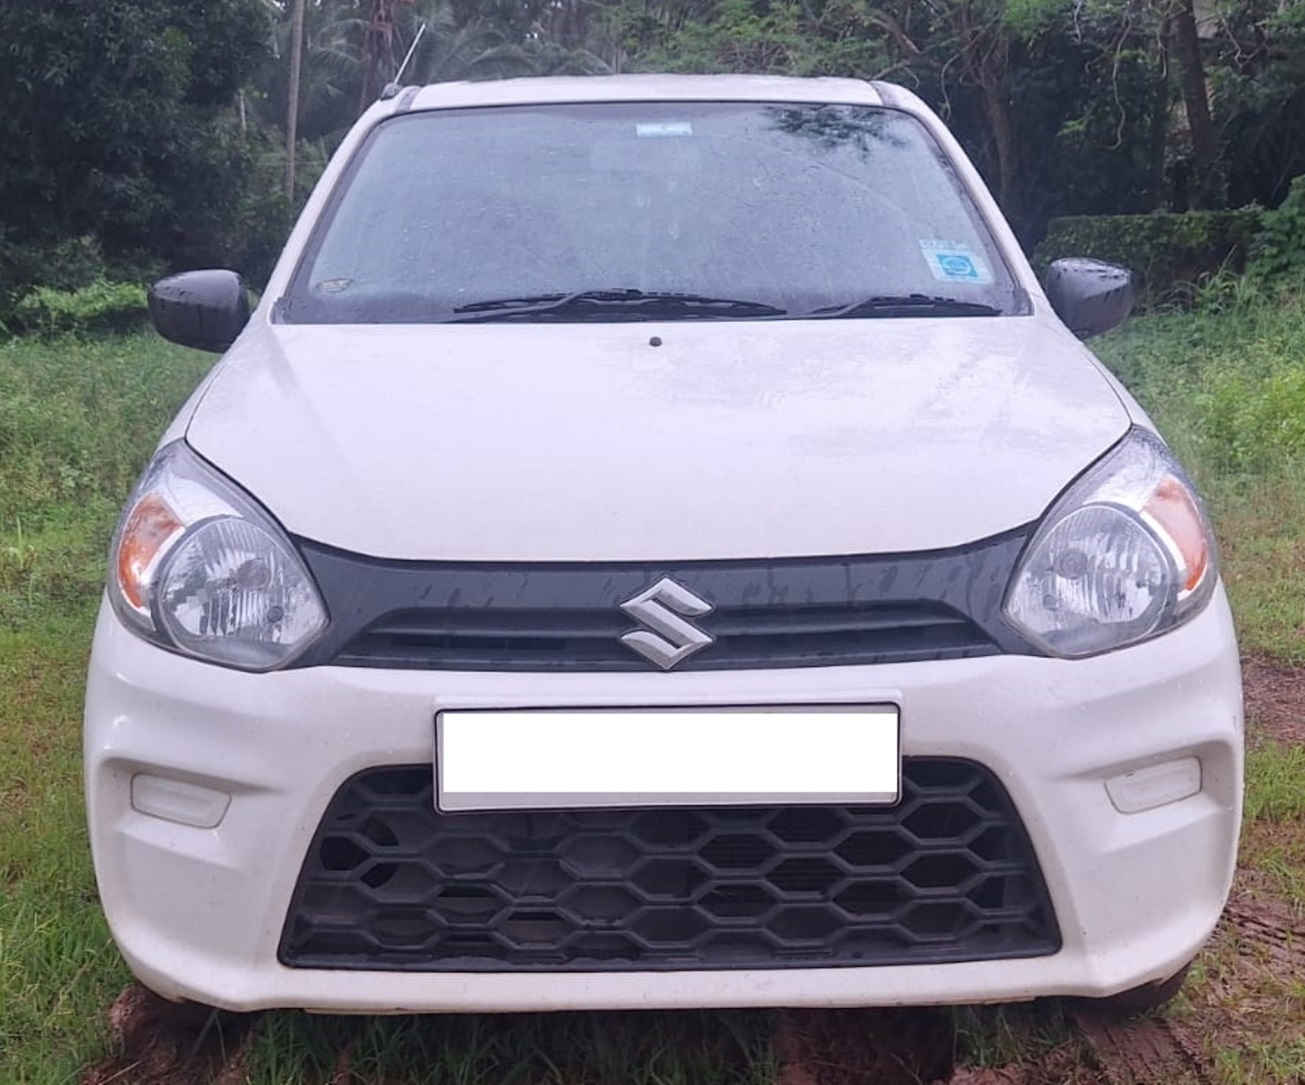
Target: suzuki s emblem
{"points": [[665, 609]]}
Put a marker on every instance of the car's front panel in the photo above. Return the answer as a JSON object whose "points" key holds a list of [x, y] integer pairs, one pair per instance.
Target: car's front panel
{"points": [[215, 796]]}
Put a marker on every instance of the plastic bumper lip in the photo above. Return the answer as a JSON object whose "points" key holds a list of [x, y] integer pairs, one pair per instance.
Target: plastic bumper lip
{"points": [[198, 911]]}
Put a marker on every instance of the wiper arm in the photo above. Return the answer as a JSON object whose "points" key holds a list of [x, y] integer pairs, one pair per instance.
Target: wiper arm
{"points": [[890, 305], [531, 303], [628, 304]]}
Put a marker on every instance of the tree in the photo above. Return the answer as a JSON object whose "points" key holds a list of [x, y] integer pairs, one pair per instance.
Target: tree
{"points": [[1259, 75], [968, 46], [786, 37], [115, 124], [352, 48], [1181, 18], [379, 63], [292, 96]]}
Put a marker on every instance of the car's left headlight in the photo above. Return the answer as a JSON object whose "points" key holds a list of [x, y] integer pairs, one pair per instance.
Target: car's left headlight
{"points": [[198, 567], [1124, 555]]}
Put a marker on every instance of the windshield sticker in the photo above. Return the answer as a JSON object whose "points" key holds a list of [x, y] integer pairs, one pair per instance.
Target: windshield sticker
{"points": [[955, 262], [663, 129]]}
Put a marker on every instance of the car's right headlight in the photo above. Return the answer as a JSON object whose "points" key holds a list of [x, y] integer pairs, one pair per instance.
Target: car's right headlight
{"points": [[198, 567], [1125, 554]]}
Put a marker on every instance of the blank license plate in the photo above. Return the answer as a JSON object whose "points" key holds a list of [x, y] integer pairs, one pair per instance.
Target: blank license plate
{"points": [[540, 759]]}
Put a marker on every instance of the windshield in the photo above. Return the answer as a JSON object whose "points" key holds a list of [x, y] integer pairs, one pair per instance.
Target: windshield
{"points": [[648, 211]]}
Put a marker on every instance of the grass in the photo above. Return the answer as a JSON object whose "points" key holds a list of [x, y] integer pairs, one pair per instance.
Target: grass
{"points": [[529, 1049], [1228, 391], [1274, 793], [995, 1036], [78, 418]]}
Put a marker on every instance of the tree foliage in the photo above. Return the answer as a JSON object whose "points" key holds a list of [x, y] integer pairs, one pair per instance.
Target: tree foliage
{"points": [[1068, 106], [116, 125], [784, 38], [134, 129]]}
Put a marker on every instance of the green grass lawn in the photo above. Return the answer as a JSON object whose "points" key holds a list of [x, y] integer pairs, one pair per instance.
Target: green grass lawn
{"points": [[1228, 391], [79, 418]]}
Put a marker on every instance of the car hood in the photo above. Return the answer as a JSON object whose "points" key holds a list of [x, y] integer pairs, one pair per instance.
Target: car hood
{"points": [[677, 441]]}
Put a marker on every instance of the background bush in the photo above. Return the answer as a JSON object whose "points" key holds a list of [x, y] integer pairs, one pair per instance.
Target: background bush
{"points": [[1278, 250], [1170, 256], [100, 306]]}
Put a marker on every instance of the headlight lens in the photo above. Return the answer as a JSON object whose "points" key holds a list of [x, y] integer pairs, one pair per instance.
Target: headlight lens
{"points": [[199, 568], [1127, 553]]}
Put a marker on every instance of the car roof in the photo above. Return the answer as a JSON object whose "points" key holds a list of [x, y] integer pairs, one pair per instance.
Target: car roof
{"points": [[634, 88]]}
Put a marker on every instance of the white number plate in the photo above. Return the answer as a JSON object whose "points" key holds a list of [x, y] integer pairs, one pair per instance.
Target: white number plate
{"points": [[539, 759]]}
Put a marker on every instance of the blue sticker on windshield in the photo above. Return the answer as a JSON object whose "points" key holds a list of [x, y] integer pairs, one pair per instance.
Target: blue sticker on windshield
{"points": [[955, 262]]}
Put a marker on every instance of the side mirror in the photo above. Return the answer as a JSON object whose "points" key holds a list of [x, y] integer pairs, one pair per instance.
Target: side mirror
{"points": [[1089, 296], [201, 309]]}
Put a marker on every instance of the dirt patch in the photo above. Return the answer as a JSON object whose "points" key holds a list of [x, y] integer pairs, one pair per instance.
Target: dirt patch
{"points": [[1275, 699], [1142, 1051], [1063, 1065], [342, 1072], [1267, 932], [863, 1047], [1253, 965], [163, 1043], [913, 1048], [1007, 1075]]}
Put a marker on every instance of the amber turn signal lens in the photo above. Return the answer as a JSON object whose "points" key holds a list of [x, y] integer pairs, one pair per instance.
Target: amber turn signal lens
{"points": [[1175, 512], [147, 531]]}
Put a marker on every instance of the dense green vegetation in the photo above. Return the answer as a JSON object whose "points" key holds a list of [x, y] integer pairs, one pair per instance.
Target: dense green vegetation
{"points": [[152, 134], [78, 417], [1170, 255], [117, 137], [1227, 386]]}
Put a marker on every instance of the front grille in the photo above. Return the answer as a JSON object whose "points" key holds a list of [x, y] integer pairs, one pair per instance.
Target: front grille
{"points": [[390, 883], [555, 639], [806, 612]]}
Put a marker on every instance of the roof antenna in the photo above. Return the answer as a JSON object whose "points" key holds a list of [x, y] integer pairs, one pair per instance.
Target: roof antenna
{"points": [[398, 76]]}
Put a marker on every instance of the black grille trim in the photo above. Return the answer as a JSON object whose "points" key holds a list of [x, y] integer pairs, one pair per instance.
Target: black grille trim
{"points": [[506, 639], [788, 613], [391, 884]]}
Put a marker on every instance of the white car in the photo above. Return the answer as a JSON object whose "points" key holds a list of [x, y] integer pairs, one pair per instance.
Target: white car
{"points": [[655, 544]]}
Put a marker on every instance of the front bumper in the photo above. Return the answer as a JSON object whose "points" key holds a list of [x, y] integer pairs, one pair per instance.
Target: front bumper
{"points": [[232, 772]]}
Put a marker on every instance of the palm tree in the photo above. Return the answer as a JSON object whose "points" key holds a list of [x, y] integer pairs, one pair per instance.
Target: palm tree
{"points": [[343, 52]]}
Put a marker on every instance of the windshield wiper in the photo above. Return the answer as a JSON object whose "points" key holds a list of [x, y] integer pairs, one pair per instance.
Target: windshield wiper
{"points": [[889, 305], [599, 305]]}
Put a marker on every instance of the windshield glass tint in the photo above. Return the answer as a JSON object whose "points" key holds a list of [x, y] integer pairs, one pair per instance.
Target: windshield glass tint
{"points": [[512, 212]]}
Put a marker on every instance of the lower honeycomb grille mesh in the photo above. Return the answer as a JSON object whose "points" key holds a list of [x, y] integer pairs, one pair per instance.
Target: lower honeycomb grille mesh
{"points": [[390, 883]]}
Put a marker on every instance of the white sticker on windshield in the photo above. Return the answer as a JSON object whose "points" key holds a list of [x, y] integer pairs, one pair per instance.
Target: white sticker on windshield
{"points": [[955, 262], [663, 129]]}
